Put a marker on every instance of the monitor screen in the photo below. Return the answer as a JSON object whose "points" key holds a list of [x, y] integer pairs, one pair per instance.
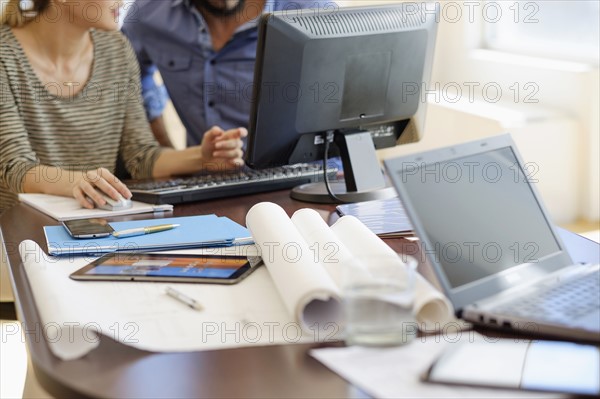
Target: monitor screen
{"points": [[343, 71], [480, 215]]}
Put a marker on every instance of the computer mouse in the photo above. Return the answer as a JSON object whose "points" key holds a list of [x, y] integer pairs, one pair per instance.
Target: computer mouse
{"points": [[115, 205]]}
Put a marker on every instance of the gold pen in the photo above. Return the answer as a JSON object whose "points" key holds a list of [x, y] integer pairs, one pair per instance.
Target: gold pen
{"points": [[140, 231]]}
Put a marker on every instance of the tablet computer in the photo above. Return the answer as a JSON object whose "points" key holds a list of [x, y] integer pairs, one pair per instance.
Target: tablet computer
{"points": [[124, 266]]}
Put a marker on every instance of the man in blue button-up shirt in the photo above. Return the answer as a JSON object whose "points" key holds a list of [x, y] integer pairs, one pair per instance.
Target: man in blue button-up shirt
{"points": [[205, 52]]}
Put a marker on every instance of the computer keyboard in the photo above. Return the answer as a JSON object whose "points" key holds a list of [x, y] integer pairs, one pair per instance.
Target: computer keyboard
{"points": [[230, 184], [571, 300]]}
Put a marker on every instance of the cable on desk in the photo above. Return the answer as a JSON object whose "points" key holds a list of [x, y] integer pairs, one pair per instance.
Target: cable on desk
{"points": [[325, 178]]}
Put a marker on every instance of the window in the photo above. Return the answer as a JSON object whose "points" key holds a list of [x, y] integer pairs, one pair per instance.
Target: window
{"points": [[558, 29]]}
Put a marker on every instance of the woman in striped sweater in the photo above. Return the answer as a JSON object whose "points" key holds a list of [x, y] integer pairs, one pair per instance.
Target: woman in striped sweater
{"points": [[70, 104]]}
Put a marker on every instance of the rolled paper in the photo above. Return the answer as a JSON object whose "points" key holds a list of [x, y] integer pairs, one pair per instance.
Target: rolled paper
{"points": [[307, 290], [324, 243]]}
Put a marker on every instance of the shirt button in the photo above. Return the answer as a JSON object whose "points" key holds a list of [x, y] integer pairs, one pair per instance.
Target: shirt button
{"points": [[171, 63], [213, 62], [211, 104]]}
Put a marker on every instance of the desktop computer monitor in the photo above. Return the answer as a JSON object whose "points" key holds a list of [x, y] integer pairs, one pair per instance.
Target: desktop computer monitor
{"points": [[353, 77]]}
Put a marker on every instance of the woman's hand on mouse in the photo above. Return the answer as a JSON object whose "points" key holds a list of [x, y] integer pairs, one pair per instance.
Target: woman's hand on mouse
{"points": [[87, 184]]}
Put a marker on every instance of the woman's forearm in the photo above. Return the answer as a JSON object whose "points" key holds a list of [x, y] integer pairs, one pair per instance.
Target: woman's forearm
{"points": [[177, 162], [50, 180], [220, 151]]}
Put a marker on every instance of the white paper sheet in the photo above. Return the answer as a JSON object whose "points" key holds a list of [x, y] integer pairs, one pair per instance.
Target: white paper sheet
{"points": [[395, 372], [142, 315], [66, 208]]}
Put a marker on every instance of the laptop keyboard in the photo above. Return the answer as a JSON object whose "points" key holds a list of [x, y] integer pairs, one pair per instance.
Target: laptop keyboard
{"points": [[568, 300], [231, 184]]}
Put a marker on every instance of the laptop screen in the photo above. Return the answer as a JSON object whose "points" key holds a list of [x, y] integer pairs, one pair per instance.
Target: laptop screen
{"points": [[479, 213]]}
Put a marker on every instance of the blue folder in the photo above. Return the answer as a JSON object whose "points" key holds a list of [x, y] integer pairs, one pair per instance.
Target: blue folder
{"points": [[193, 232]]}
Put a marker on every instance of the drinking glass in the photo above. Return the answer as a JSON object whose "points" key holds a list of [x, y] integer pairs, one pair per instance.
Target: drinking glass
{"points": [[378, 294]]}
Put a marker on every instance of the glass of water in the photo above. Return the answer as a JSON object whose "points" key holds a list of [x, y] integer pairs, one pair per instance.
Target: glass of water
{"points": [[378, 293]]}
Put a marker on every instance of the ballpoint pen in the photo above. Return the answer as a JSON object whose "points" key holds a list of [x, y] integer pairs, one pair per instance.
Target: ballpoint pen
{"points": [[191, 302], [144, 230]]}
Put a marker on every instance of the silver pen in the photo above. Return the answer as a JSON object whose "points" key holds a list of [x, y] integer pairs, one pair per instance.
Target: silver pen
{"points": [[181, 297]]}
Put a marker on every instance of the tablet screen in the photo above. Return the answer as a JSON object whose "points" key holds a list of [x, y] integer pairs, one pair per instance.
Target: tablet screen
{"points": [[154, 267]]}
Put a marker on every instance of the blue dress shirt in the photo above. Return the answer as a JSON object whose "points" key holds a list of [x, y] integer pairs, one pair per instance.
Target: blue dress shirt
{"points": [[207, 88]]}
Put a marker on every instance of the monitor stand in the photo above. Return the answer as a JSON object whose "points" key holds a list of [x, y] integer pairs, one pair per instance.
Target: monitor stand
{"points": [[363, 177]]}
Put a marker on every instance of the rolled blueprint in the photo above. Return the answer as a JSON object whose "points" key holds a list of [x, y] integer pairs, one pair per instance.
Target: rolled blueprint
{"points": [[302, 281], [324, 243]]}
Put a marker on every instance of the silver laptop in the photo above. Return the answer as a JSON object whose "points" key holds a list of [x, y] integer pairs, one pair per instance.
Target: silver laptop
{"points": [[491, 243]]}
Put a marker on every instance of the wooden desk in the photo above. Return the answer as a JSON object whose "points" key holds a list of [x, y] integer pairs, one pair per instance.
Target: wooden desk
{"points": [[117, 370]]}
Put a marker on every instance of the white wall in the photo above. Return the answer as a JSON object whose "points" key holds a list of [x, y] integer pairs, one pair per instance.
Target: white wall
{"points": [[556, 127]]}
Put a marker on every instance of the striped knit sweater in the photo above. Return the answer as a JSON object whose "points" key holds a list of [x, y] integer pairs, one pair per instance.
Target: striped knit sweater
{"points": [[74, 132]]}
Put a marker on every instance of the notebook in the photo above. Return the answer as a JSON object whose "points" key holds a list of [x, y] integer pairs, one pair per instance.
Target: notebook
{"points": [[193, 232], [66, 208], [490, 241], [386, 218]]}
